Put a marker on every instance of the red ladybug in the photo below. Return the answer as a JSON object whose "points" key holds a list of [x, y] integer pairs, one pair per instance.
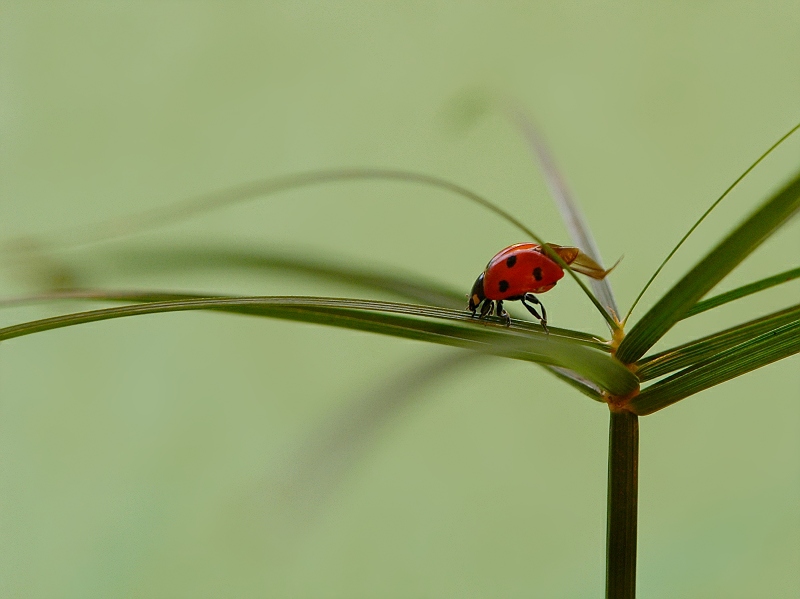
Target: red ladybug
{"points": [[521, 270]]}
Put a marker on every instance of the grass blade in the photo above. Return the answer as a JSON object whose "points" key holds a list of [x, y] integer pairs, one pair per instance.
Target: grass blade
{"points": [[183, 258], [436, 325], [710, 271], [576, 224], [582, 384], [705, 214], [183, 210], [160, 217], [324, 458], [701, 349], [576, 381], [745, 290], [138, 296], [769, 347]]}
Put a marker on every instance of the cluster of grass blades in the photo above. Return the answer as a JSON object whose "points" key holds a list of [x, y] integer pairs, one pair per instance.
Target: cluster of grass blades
{"points": [[615, 371]]}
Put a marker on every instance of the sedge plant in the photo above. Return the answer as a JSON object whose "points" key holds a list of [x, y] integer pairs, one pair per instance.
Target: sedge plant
{"points": [[617, 370]]}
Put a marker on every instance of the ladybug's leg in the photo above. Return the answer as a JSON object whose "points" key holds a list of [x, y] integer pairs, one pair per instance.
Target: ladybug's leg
{"points": [[502, 313], [534, 300], [486, 308]]}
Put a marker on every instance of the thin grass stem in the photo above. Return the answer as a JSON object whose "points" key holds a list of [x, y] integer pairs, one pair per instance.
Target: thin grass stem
{"points": [[623, 489]]}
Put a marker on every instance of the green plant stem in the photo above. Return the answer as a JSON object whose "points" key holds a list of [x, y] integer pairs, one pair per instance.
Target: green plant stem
{"points": [[623, 489]]}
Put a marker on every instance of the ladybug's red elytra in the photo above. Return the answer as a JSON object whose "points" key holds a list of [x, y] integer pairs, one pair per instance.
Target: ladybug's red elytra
{"points": [[521, 270]]}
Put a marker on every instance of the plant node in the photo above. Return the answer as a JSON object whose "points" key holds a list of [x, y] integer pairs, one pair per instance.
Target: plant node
{"points": [[619, 403]]}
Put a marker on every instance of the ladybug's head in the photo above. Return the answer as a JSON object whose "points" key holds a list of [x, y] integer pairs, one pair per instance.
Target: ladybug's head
{"points": [[476, 296]]}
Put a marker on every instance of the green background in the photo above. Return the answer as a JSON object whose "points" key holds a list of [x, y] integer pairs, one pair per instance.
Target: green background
{"points": [[137, 457]]}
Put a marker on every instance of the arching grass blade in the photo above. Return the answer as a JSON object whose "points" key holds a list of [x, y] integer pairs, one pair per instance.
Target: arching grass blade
{"points": [[324, 457], [701, 349], [249, 191], [576, 381], [580, 383], [710, 271], [769, 347], [437, 325], [140, 296], [179, 211], [745, 290], [187, 258]]}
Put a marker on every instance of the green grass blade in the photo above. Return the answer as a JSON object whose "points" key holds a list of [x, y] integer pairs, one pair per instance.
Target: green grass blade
{"points": [[324, 458], [576, 224], [436, 325], [576, 381], [139, 296], [184, 258], [701, 349], [745, 290], [769, 347], [160, 217], [705, 214], [710, 271], [212, 201]]}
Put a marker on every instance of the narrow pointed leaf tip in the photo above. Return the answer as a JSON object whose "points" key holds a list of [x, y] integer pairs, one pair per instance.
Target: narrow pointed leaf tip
{"points": [[744, 291], [711, 270]]}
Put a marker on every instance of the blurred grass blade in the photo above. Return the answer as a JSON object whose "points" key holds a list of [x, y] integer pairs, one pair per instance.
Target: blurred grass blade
{"points": [[701, 349], [184, 258], [160, 217], [436, 325], [170, 214], [576, 381], [324, 457], [710, 271], [745, 290], [576, 224], [769, 347], [705, 214], [99, 296]]}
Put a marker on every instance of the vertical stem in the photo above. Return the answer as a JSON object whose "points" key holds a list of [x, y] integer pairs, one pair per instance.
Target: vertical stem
{"points": [[623, 489]]}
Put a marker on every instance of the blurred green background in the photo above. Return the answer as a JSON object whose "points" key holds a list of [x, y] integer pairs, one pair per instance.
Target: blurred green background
{"points": [[136, 455]]}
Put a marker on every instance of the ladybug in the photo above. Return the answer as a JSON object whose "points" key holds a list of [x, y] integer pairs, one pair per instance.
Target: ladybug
{"points": [[521, 270]]}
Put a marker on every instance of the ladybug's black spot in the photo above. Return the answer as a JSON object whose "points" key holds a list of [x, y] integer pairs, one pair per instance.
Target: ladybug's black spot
{"points": [[511, 261], [503, 286], [537, 273]]}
